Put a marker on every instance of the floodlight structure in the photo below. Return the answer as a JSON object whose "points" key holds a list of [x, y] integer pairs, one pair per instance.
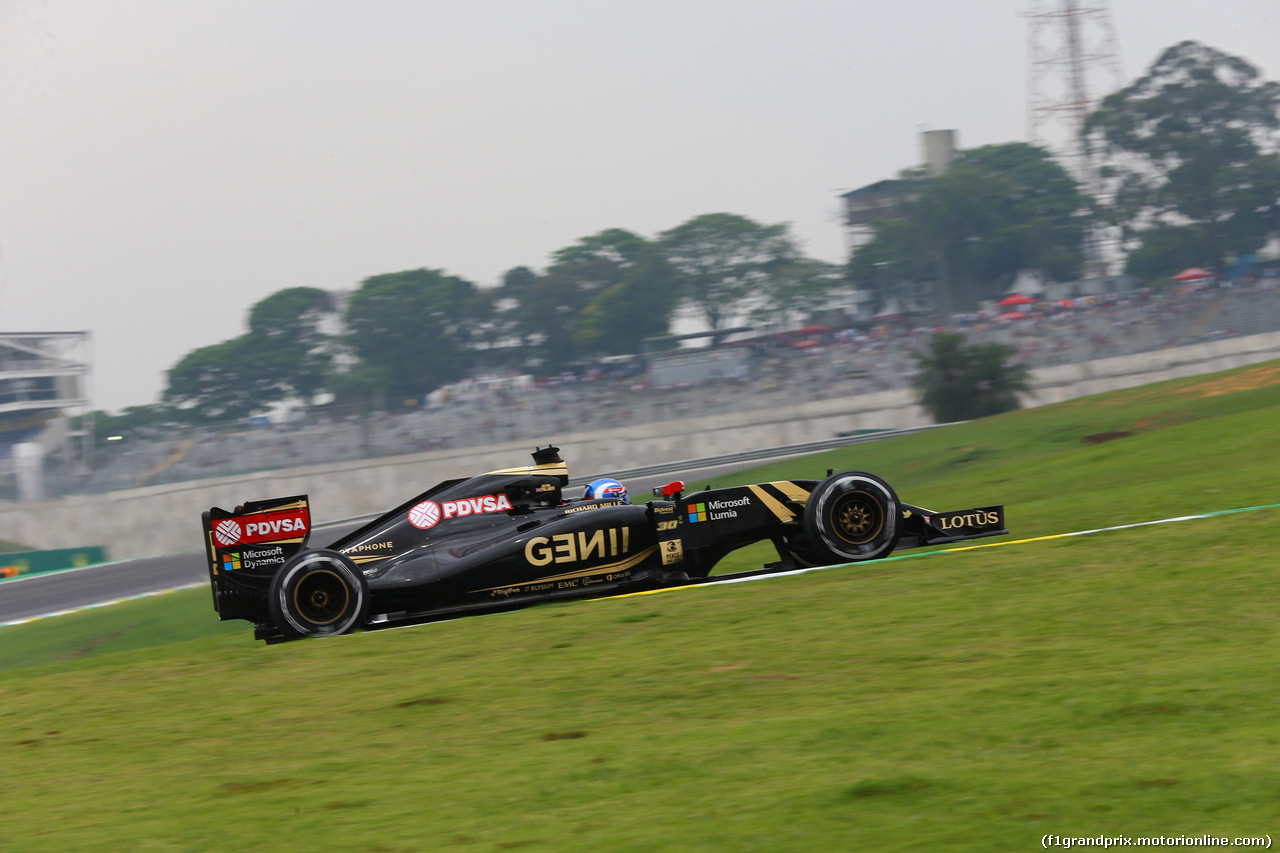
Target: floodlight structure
{"points": [[44, 377], [1074, 59]]}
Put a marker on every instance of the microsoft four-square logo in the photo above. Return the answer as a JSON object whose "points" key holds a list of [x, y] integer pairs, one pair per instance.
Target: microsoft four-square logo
{"points": [[697, 512]]}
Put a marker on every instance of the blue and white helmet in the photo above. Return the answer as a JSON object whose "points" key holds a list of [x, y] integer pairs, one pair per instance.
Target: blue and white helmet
{"points": [[605, 488]]}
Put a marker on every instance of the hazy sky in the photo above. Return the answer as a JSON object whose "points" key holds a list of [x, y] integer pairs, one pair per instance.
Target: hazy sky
{"points": [[164, 164]]}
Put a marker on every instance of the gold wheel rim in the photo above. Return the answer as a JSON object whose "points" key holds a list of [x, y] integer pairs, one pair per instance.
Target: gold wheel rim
{"points": [[321, 597], [857, 518]]}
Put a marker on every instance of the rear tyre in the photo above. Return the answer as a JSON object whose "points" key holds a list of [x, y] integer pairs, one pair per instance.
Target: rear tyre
{"points": [[318, 594], [852, 516]]}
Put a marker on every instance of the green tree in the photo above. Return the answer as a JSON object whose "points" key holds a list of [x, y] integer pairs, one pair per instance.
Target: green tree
{"points": [[603, 294], [998, 209], [1193, 145], [294, 350], [897, 254], [958, 381], [547, 318], [222, 382], [723, 263], [805, 290], [1164, 251], [285, 354], [636, 296], [515, 282], [502, 344], [414, 329]]}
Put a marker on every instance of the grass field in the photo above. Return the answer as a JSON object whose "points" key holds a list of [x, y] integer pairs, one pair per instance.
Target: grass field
{"points": [[1118, 683]]}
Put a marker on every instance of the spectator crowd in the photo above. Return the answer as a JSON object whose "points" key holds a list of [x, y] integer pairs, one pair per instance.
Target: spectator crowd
{"points": [[783, 370]]}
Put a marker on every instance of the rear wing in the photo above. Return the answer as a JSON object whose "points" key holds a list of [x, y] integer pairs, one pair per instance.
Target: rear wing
{"points": [[246, 546]]}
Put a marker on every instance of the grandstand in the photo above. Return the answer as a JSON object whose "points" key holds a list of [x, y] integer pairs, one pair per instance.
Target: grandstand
{"points": [[774, 372], [43, 379]]}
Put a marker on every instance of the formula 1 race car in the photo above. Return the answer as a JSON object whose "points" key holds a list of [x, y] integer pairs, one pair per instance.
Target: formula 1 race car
{"points": [[508, 538]]}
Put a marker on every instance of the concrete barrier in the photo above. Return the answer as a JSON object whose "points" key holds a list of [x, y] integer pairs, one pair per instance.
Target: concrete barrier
{"points": [[165, 519]]}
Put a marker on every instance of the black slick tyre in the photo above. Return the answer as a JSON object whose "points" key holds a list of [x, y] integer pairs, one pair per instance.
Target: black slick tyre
{"points": [[318, 594], [852, 516]]}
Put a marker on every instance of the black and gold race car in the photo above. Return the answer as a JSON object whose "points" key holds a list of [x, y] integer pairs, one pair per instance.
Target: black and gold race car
{"points": [[509, 538]]}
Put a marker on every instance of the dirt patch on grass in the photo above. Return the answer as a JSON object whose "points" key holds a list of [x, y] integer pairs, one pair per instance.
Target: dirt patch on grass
{"points": [[1103, 437], [1245, 380], [430, 700], [888, 787], [259, 786], [85, 651], [728, 666]]}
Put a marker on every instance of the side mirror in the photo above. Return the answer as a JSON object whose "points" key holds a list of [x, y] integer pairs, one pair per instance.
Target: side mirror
{"points": [[671, 491]]}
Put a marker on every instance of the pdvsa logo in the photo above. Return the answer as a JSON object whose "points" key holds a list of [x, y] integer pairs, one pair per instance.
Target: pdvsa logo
{"points": [[425, 515], [227, 532], [429, 513], [266, 527]]}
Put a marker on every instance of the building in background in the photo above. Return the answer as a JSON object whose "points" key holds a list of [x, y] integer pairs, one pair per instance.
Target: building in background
{"points": [[44, 379]]}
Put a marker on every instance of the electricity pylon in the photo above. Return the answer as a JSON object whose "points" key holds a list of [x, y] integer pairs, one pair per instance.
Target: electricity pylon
{"points": [[1074, 60]]}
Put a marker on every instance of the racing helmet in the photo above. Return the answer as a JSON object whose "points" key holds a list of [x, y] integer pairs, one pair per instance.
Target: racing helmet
{"points": [[605, 488]]}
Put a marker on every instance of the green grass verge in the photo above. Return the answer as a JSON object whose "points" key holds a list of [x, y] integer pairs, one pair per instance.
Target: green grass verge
{"points": [[1122, 683], [145, 623]]}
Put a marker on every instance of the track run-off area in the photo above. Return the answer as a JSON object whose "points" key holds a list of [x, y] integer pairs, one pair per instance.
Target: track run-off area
{"points": [[713, 582]]}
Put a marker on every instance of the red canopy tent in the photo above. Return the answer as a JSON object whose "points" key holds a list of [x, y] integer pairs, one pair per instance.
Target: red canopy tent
{"points": [[811, 329], [1192, 274], [1016, 299]]}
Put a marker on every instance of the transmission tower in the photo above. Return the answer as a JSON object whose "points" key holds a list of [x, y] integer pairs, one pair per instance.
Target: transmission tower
{"points": [[1074, 59]]}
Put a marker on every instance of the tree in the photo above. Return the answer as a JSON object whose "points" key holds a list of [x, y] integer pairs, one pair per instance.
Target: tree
{"points": [[285, 354], [547, 318], [222, 382], [635, 303], [957, 381], [895, 255], [805, 289], [723, 262], [1165, 250], [295, 351], [1193, 145], [998, 209], [414, 329], [603, 294]]}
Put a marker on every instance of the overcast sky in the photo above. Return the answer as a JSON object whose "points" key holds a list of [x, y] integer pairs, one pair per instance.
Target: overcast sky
{"points": [[165, 164]]}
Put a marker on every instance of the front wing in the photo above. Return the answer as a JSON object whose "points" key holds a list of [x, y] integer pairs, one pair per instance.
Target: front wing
{"points": [[921, 527]]}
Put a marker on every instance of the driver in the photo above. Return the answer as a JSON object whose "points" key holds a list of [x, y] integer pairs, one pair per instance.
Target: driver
{"points": [[605, 488]]}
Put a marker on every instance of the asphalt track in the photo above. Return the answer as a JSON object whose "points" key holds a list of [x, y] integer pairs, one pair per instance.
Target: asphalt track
{"points": [[35, 596]]}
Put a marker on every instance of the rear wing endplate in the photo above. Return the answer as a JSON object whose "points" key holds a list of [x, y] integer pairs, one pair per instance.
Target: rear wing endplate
{"points": [[254, 540]]}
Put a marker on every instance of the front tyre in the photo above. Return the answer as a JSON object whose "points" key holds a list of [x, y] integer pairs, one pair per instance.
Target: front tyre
{"points": [[852, 516], [318, 594]]}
